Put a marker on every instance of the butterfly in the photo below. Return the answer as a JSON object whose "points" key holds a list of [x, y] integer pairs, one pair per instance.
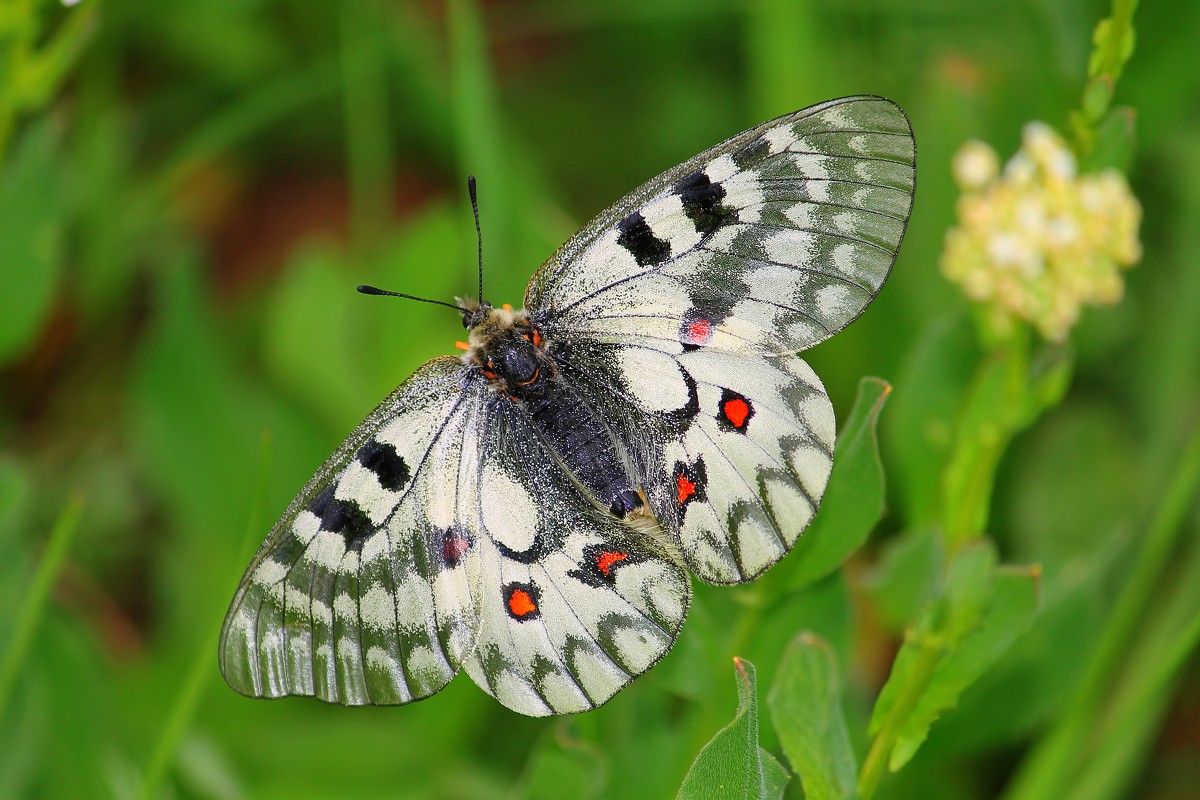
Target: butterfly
{"points": [[533, 510]]}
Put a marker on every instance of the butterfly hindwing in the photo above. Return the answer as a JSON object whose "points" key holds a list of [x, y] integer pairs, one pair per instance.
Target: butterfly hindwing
{"points": [[744, 446], [767, 243], [366, 590], [575, 604]]}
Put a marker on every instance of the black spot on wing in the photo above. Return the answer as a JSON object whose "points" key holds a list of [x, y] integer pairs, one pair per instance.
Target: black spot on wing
{"points": [[637, 237], [752, 154], [701, 199], [382, 459], [342, 516], [531, 555], [682, 417]]}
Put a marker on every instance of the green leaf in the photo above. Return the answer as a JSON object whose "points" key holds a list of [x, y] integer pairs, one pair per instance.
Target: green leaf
{"points": [[979, 614], [906, 576], [1113, 47], [732, 766], [853, 502], [1011, 608], [967, 591], [806, 708], [313, 310], [1113, 144], [31, 211]]}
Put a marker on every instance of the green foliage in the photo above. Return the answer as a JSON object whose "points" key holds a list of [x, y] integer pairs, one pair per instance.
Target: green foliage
{"points": [[31, 221], [732, 764], [189, 193], [979, 614], [806, 709], [853, 503]]}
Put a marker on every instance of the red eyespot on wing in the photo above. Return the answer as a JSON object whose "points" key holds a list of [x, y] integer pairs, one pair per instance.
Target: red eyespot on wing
{"points": [[606, 559], [695, 330], [684, 489], [454, 547], [521, 604], [521, 600], [734, 411], [689, 484]]}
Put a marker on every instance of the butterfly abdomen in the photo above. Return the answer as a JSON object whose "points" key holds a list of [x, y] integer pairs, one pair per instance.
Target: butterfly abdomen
{"points": [[585, 445]]}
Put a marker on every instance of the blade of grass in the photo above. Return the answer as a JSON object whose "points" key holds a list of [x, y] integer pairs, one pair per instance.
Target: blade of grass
{"points": [[478, 130], [192, 691], [364, 93], [784, 55], [1050, 767], [34, 603]]}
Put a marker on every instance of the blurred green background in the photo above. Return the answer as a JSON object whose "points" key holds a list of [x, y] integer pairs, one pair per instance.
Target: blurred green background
{"points": [[191, 189]]}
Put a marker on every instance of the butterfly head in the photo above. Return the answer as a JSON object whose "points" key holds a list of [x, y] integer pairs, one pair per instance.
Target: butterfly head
{"points": [[506, 348], [474, 312]]}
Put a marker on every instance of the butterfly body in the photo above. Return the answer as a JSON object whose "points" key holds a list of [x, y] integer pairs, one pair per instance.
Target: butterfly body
{"points": [[508, 350], [531, 511]]}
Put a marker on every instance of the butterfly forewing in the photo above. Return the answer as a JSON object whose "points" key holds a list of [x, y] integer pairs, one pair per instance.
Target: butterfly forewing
{"points": [[765, 244]]}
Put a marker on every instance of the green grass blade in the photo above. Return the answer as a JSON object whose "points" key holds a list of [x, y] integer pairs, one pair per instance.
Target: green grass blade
{"points": [[33, 605], [192, 691]]}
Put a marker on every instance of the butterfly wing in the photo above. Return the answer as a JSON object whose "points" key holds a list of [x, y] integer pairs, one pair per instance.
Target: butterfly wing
{"points": [[365, 592], [685, 300], [443, 533], [767, 243], [575, 604]]}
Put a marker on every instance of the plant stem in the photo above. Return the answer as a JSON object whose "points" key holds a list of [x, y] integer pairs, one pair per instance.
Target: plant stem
{"points": [[881, 749], [34, 602], [1112, 60], [996, 407], [1051, 765], [192, 692]]}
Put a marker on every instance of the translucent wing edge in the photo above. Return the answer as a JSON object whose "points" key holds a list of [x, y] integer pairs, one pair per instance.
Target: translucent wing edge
{"points": [[441, 374]]}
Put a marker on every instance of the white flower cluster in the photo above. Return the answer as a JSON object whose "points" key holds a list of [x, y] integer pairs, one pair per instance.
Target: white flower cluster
{"points": [[1039, 242]]}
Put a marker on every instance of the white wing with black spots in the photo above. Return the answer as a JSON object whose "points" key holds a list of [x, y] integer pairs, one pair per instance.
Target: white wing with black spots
{"points": [[366, 591], [530, 511], [738, 451], [574, 603], [765, 244]]}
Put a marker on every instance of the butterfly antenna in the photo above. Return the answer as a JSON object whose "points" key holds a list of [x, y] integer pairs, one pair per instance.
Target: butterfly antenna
{"points": [[373, 290], [478, 233]]}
